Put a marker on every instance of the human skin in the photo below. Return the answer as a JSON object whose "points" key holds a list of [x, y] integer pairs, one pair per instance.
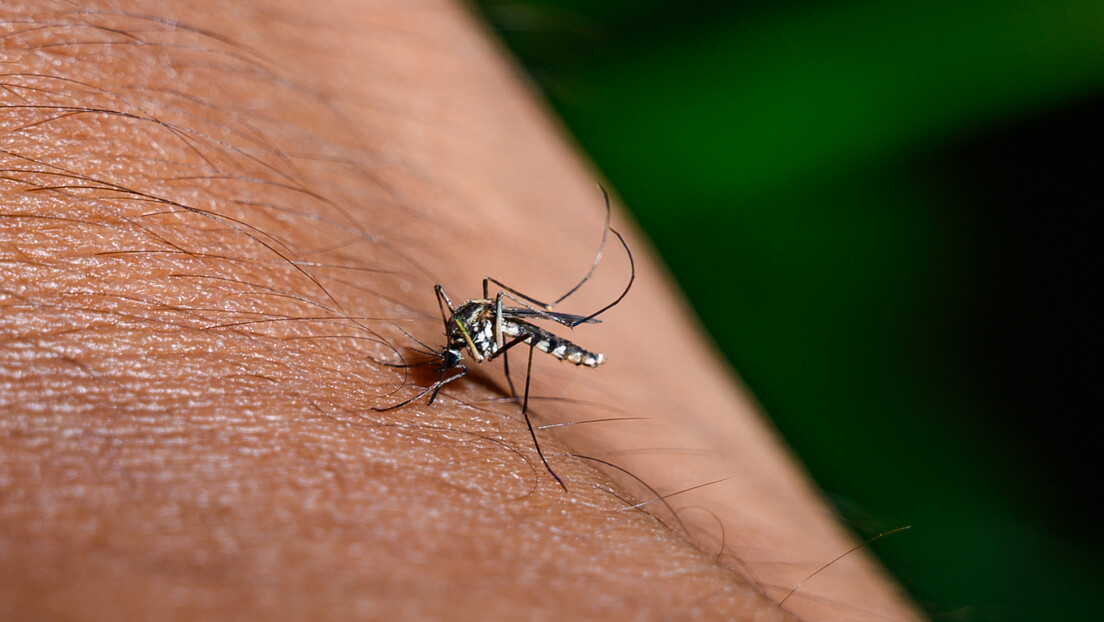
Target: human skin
{"points": [[220, 220]]}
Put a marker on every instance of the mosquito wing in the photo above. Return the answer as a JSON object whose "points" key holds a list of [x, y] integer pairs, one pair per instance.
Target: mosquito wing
{"points": [[567, 319]]}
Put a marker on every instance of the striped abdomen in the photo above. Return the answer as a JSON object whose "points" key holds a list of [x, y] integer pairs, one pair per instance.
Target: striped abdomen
{"points": [[552, 344]]}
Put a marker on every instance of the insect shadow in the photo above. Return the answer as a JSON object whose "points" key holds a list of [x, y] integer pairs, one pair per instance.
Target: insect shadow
{"points": [[486, 328]]}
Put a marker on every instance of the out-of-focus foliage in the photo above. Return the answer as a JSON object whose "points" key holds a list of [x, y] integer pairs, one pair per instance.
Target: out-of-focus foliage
{"points": [[880, 211]]}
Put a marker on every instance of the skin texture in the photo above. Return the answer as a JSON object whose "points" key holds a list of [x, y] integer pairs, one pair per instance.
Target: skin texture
{"points": [[216, 218]]}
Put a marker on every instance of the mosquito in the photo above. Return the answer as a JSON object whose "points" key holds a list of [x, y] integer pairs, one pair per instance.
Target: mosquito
{"points": [[486, 329]]}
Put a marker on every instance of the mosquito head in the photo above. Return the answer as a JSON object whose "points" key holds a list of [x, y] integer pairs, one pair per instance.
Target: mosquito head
{"points": [[450, 357]]}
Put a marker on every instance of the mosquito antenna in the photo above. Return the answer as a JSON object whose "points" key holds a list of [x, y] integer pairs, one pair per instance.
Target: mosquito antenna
{"points": [[597, 257], [841, 556]]}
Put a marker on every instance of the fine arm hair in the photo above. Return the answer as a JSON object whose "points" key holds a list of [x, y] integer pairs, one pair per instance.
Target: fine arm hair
{"points": [[219, 220]]}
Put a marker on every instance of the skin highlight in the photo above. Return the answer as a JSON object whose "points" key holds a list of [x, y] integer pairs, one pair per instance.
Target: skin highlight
{"points": [[214, 219]]}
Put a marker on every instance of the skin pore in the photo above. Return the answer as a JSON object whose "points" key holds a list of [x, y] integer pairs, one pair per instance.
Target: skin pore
{"points": [[216, 217]]}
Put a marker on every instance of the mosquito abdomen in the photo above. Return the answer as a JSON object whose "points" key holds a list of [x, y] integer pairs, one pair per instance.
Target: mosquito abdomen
{"points": [[557, 346]]}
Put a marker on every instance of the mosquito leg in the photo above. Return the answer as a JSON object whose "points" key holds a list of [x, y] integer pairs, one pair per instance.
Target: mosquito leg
{"points": [[547, 306], [597, 256], [541, 305], [525, 401], [628, 286], [443, 382], [545, 314], [404, 402], [543, 309], [528, 422], [506, 370], [502, 351], [435, 388], [442, 302], [540, 308], [500, 339], [506, 361], [398, 365], [571, 321]]}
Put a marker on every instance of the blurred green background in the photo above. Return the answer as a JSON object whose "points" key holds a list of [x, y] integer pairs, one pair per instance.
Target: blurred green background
{"points": [[881, 213]]}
